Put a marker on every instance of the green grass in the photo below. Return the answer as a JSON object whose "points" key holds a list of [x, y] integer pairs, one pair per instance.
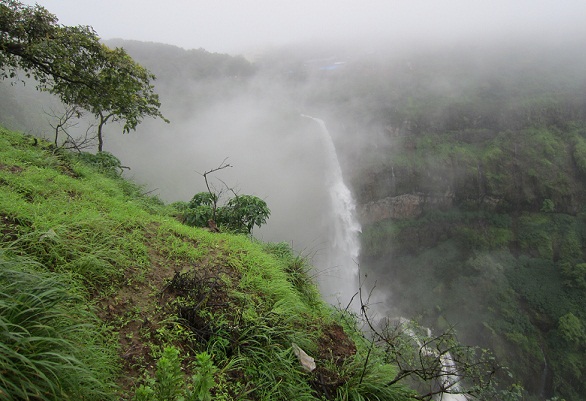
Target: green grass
{"points": [[51, 346], [102, 279]]}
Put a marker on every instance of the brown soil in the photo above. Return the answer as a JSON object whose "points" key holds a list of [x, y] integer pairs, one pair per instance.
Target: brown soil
{"points": [[334, 348], [10, 227], [335, 344], [142, 309], [12, 169]]}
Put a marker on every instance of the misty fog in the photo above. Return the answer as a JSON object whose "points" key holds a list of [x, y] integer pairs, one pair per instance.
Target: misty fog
{"points": [[255, 124], [274, 153]]}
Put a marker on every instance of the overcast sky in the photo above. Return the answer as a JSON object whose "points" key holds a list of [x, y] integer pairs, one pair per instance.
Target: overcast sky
{"points": [[235, 26]]}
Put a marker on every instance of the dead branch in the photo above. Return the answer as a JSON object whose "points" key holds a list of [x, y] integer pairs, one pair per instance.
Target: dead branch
{"points": [[215, 195], [63, 121], [423, 357]]}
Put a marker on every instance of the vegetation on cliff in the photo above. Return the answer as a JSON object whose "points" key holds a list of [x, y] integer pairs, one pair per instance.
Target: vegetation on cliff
{"points": [[490, 142], [491, 146]]}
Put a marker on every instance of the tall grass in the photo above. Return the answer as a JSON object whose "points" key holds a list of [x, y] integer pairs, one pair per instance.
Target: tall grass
{"points": [[69, 217], [50, 344]]}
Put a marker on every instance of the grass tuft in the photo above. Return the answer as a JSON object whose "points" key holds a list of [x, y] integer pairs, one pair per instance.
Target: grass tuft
{"points": [[50, 344]]}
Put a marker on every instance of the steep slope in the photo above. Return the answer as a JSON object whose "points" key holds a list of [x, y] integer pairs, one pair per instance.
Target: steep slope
{"points": [[156, 293]]}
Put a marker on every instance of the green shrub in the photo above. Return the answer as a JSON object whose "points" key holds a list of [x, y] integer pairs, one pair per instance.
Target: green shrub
{"points": [[203, 380], [240, 214], [243, 212], [104, 162]]}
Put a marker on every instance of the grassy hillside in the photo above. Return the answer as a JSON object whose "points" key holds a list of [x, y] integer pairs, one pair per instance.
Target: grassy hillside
{"points": [[105, 295]]}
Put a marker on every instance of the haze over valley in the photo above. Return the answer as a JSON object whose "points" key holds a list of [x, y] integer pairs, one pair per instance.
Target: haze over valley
{"points": [[459, 129]]}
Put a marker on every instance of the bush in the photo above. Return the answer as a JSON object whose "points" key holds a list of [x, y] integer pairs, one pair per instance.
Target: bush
{"points": [[243, 212], [104, 162], [240, 214], [201, 209]]}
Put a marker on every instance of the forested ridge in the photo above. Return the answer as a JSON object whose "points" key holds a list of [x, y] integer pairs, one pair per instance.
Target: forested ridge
{"points": [[475, 201]]}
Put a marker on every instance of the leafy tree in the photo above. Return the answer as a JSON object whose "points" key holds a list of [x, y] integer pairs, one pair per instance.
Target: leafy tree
{"points": [[71, 63], [240, 213], [571, 329]]}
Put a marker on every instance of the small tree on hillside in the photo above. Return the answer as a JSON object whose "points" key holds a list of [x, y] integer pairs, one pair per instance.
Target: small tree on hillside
{"points": [[239, 214], [71, 63], [243, 212]]}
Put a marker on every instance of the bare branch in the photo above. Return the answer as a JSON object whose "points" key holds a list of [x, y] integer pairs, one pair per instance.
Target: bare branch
{"points": [[82, 142], [215, 195], [63, 120], [437, 364]]}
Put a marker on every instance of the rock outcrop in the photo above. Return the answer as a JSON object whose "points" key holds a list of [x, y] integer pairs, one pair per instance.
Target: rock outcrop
{"points": [[404, 206]]}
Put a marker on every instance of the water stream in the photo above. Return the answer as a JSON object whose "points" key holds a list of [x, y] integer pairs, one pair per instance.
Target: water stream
{"points": [[448, 377], [338, 264]]}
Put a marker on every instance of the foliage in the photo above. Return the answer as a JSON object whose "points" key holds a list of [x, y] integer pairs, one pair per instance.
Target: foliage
{"points": [[438, 364], [239, 214], [70, 224], [232, 305], [497, 156], [200, 209], [243, 212], [571, 329], [71, 63], [298, 270], [203, 380], [516, 297], [170, 383], [105, 162]]}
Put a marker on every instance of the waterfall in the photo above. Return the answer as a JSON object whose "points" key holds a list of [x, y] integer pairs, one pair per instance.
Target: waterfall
{"points": [[338, 279], [340, 283], [544, 376], [451, 379]]}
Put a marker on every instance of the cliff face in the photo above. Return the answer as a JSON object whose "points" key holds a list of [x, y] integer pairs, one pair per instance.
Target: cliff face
{"points": [[509, 171], [487, 232], [473, 211], [406, 206]]}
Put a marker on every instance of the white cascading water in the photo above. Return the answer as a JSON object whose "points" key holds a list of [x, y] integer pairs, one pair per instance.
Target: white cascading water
{"points": [[338, 279], [451, 379], [448, 372]]}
